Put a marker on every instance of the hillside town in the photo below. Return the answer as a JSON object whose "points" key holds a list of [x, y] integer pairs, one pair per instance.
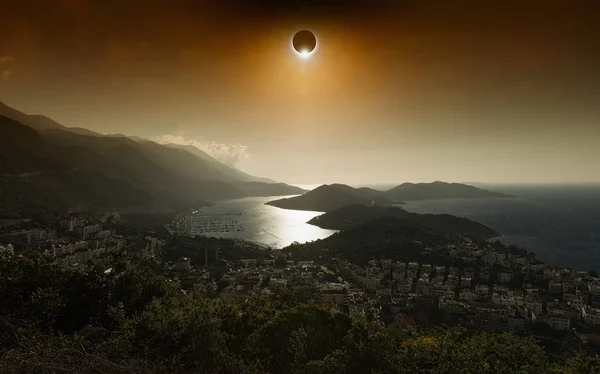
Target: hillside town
{"points": [[484, 288]]}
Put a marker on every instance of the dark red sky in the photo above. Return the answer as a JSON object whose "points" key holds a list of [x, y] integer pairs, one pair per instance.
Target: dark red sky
{"points": [[398, 90]]}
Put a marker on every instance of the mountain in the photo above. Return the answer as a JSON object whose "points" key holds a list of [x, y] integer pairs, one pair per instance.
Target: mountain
{"points": [[230, 173], [136, 138], [354, 215], [53, 170], [221, 171], [439, 190], [330, 197], [38, 178], [39, 122]]}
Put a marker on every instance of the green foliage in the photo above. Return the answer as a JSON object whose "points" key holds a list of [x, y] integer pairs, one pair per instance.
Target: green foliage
{"points": [[129, 320], [576, 365]]}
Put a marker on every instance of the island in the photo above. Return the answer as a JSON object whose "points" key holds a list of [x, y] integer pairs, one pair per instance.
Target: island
{"points": [[330, 197], [351, 216]]}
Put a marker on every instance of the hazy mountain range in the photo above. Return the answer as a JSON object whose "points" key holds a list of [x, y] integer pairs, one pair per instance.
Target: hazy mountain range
{"points": [[45, 166], [330, 197]]}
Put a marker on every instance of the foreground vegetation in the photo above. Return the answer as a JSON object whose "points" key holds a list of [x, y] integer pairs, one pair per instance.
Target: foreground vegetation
{"points": [[130, 319]]}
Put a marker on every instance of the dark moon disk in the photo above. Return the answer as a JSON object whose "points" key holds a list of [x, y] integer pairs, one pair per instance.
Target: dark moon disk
{"points": [[304, 41]]}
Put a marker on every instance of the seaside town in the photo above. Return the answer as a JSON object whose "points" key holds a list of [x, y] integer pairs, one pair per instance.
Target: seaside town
{"points": [[483, 288]]}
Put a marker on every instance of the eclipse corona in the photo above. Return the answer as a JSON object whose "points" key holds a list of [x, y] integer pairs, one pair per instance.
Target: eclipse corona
{"points": [[304, 43]]}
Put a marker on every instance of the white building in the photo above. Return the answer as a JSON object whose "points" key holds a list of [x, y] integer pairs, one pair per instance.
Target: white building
{"points": [[533, 304], [592, 316]]}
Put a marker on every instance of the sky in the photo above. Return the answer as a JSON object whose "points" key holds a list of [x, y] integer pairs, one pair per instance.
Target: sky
{"points": [[413, 90]]}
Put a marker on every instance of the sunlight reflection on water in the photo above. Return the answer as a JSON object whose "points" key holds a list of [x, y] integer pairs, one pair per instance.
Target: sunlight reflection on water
{"points": [[266, 224]]}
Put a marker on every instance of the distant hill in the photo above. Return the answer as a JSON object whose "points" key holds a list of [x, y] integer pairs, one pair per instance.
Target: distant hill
{"points": [[330, 197], [386, 237], [438, 190], [377, 232], [352, 216]]}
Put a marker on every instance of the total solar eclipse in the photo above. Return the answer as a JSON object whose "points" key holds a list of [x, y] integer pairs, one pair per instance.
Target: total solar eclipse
{"points": [[304, 43]]}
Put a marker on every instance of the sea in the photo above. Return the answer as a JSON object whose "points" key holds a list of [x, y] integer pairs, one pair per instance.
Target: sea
{"points": [[559, 223]]}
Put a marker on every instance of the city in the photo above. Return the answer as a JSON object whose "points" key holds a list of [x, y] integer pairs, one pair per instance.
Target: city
{"points": [[478, 287]]}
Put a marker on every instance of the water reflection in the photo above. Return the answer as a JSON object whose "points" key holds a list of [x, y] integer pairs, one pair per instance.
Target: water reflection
{"points": [[266, 224]]}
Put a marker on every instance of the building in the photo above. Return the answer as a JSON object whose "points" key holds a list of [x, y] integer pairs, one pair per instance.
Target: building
{"points": [[560, 323], [87, 231], [71, 223], [467, 295], [533, 304], [335, 293], [36, 235], [555, 287], [469, 273], [404, 286], [481, 292], [465, 281], [250, 262], [277, 282], [369, 283], [592, 316], [521, 260]]}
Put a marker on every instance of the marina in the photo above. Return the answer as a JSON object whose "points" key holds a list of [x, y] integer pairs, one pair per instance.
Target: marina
{"points": [[202, 224], [251, 220]]}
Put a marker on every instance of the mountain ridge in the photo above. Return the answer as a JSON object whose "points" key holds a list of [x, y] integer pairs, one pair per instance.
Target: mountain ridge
{"points": [[49, 171]]}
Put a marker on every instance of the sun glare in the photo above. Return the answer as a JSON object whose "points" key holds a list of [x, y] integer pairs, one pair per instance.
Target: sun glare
{"points": [[304, 54]]}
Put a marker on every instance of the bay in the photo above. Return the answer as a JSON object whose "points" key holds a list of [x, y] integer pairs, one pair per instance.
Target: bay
{"points": [[264, 224]]}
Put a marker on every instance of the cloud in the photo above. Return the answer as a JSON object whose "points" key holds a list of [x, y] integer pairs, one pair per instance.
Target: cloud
{"points": [[229, 154], [4, 59], [6, 74]]}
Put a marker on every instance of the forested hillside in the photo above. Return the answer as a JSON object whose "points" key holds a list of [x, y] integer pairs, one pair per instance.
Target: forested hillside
{"points": [[113, 317]]}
